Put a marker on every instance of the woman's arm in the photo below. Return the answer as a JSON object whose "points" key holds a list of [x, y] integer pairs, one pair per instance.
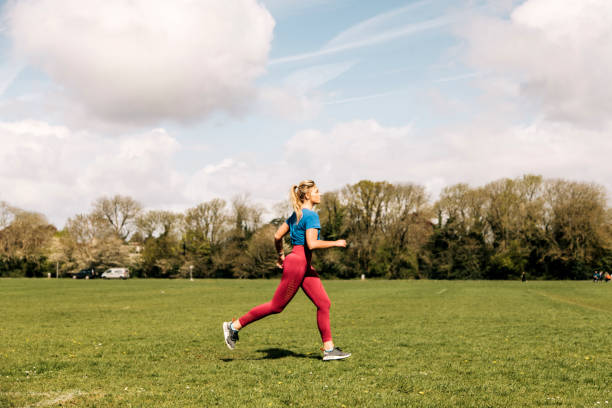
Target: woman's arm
{"points": [[314, 243], [278, 243]]}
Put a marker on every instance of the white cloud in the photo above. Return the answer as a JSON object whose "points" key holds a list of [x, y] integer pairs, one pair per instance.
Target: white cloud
{"points": [[352, 151], [59, 172], [480, 153], [347, 153], [146, 60], [558, 53], [365, 149]]}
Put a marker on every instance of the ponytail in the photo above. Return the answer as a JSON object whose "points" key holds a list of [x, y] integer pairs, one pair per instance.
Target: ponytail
{"points": [[295, 201], [297, 194]]}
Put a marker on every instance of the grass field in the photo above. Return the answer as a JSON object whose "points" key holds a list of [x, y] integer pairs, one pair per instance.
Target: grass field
{"points": [[158, 343]]}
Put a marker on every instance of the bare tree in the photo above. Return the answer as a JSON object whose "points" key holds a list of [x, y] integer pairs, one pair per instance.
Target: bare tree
{"points": [[158, 223], [245, 217], [208, 220], [407, 216], [91, 241], [120, 212], [366, 203]]}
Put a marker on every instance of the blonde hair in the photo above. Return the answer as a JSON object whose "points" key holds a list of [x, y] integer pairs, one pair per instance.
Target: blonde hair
{"points": [[298, 196]]}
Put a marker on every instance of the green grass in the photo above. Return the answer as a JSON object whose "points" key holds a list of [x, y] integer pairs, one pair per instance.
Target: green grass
{"points": [[158, 343]]}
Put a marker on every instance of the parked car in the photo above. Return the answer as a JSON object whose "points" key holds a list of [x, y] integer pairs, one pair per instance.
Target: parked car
{"points": [[116, 273], [85, 274]]}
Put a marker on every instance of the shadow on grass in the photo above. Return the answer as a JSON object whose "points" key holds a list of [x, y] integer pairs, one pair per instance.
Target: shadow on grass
{"points": [[276, 353]]}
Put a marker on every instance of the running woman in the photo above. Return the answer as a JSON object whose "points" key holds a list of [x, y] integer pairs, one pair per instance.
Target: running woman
{"points": [[303, 226]]}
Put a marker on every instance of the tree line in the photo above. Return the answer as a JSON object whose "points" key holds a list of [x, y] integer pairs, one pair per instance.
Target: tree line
{"points": [[549, 229]]}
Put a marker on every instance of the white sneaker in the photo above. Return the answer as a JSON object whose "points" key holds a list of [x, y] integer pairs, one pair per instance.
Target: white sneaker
{"points": [[230, 335], [335, 354]]}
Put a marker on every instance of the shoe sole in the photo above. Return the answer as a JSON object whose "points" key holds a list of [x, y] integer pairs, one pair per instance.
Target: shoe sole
{"points": [[336, 357], [226, 335]]}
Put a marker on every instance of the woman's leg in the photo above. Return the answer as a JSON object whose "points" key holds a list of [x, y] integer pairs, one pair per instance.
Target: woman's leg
{"points": [[293, 272], [313, 288]]}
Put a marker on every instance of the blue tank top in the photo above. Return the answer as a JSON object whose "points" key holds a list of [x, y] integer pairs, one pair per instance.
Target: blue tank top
{"points": [[297, 231]]}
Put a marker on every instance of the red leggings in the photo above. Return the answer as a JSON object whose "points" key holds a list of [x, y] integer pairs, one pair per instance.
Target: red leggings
{"points": [[297, 273]]}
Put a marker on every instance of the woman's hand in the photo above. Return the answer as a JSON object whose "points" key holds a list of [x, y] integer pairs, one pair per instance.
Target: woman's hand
{"points": [[278, 243], [341, 243], [280, 260]]}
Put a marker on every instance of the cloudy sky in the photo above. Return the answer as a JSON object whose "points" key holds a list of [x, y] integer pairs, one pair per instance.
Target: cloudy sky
{"points": [[175, 103]]}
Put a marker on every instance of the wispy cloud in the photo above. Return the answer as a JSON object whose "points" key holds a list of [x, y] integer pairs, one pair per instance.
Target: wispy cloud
{"points": [[298, 98], [8, 73], [359, 31], [383, 94], [361, 98], [381, 28], [306, 79], [283, 8], [458, 77]]}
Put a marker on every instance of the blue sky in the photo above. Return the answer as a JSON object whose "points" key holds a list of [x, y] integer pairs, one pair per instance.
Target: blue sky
{"points": [[174, 105], [381, 81]]}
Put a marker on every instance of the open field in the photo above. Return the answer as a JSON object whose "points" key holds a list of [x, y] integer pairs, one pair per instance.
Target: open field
{"points": [[158, 343]]}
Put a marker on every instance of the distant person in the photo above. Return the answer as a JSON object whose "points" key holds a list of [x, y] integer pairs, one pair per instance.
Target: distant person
{"points": [[595, 276], [303, 227], [608, 277], [523, 277]]}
